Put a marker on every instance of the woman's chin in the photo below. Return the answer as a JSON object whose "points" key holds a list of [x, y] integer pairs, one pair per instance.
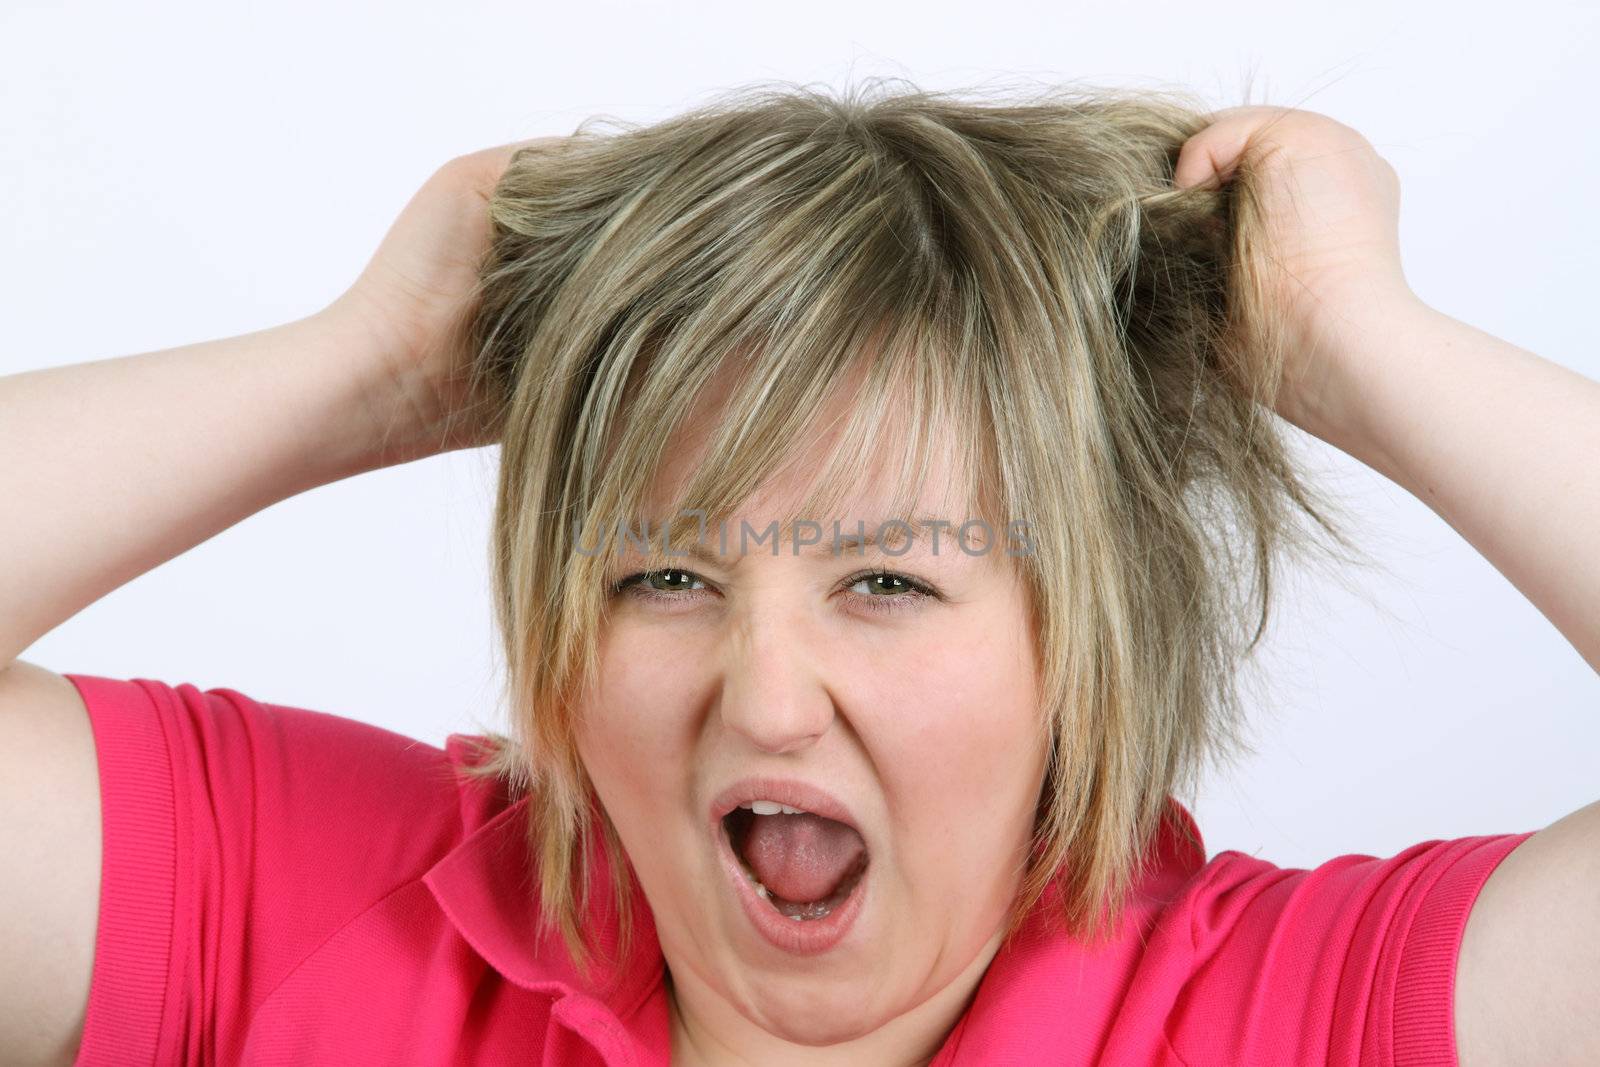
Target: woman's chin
{"points": [[814, 1011]]}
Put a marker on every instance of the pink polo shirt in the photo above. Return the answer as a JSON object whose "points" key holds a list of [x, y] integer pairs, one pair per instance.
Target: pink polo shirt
{"points": [[283, 886]]}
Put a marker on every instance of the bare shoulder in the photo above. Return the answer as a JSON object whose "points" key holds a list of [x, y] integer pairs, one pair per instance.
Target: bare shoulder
{"points": [[22, 682], [50, 877], [46, 737], [1530, 956]]}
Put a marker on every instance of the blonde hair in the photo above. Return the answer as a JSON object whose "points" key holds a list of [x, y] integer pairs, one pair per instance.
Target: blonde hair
{"points": [[1022, 272]]}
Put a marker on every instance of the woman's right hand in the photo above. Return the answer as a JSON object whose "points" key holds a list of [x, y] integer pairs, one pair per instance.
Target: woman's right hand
{"points": [[414, 291]]}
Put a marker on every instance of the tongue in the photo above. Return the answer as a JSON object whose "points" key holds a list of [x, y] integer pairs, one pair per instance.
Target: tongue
{"points": [[801, 858]]}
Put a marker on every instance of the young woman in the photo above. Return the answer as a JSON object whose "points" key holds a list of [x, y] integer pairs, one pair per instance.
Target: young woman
{"points": [[788, 779]]}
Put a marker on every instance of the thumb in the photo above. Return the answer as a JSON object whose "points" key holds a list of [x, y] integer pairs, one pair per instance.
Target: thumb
{"points": [[1210, 157]]}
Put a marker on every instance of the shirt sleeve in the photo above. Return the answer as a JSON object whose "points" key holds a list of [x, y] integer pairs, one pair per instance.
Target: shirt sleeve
{"points": [[1349, 963], [237, 837]]}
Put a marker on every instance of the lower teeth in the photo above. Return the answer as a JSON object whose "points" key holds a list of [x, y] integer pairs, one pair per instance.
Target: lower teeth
{"points": [[801, 912]]}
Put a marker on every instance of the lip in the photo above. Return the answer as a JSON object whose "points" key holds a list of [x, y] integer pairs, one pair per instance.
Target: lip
{"points": [[790, 791], [809, 937]]}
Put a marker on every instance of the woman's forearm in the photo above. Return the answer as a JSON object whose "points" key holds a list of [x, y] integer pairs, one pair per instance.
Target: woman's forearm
{"points": [[114, 466], [1503, 444]]}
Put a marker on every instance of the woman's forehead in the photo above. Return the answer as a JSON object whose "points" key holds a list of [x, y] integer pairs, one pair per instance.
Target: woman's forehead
{"points": [[868, 498], [944, 492]]}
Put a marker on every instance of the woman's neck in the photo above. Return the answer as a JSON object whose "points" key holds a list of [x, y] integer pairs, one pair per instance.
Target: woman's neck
{"points": [[707, 1031]]}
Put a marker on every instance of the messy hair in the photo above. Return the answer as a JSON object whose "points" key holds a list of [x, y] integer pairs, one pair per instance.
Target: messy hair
{"points": [[1020, 272]]}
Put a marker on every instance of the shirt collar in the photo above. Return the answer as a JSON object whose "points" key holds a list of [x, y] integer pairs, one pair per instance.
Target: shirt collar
{"points": [[485, 886], [1049, 998]]}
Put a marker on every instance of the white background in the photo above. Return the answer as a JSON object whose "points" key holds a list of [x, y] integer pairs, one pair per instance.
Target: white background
{"points": [[174, 173]]}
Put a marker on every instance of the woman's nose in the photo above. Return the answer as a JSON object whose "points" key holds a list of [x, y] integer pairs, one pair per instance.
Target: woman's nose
{"points": [[772, 693]]}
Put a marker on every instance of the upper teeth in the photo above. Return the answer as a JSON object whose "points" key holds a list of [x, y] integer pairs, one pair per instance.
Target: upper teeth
{"points": [[771, 807]]}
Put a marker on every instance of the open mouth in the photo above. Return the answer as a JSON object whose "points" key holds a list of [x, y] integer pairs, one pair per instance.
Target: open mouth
{"points": [[791, 851]]}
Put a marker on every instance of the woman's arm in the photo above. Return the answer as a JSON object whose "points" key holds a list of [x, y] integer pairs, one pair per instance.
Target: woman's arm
{"points": [[1503, 444], [114, 466], [117, 465]]}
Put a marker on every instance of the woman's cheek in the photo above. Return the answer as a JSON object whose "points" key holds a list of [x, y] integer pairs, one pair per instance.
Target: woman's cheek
{"points": [[960, 756], [637, 712]]}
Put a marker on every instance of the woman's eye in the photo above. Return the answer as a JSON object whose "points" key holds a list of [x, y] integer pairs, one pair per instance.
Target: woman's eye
{"points": [[883, 584], [886, 591], [660, 584], [670, 580]]}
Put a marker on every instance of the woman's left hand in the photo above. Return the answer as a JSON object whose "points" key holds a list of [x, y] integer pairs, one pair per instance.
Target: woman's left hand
{"points": [[1332, 208]]}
